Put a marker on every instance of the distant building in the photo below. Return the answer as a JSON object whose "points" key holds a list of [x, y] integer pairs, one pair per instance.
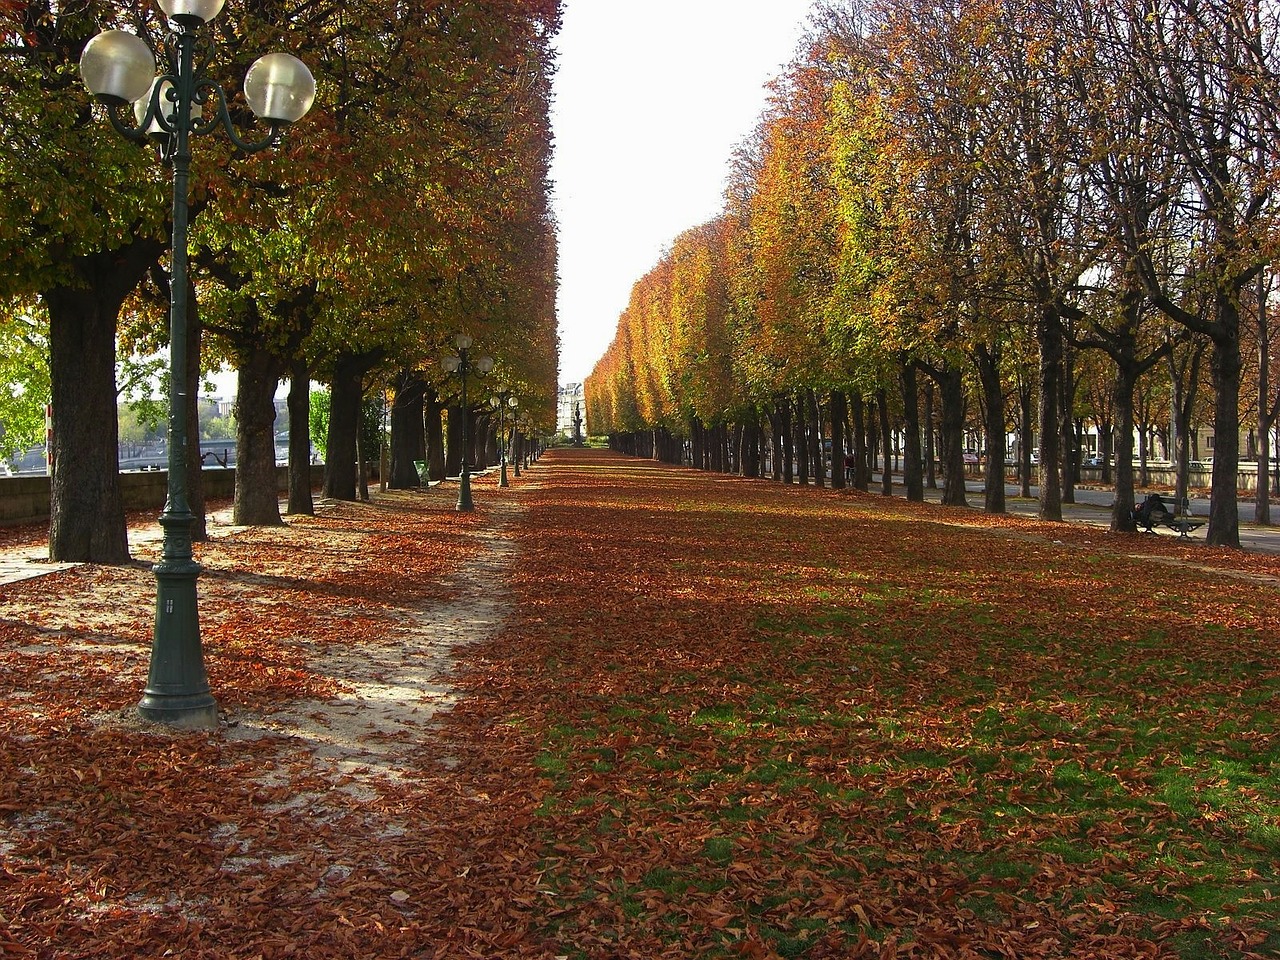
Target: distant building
{"points": [[570, 396]]}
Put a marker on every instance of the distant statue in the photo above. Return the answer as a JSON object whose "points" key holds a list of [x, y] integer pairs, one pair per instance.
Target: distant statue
{"points": [[577, 424]]}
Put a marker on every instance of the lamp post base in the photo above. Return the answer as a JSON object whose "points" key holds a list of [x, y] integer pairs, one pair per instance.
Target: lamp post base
{"points": [[177, 692], [465, 504], [198, 712]]}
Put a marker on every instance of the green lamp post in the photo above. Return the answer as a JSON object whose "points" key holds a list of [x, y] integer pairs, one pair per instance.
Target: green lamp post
{"points": [[500, 402], [119, 69], [463, 366]]}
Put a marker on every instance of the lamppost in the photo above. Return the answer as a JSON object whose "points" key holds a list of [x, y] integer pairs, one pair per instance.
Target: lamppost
{"points": [[517, 433], [500, 402], [462, 365], [119, 69]]}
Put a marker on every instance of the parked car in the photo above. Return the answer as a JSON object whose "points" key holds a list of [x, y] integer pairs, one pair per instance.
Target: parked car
{"points": [[970, 458]]}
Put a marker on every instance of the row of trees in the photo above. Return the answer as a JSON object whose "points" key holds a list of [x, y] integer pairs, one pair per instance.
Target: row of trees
{"points": [[1055, 210], [411, 203]]}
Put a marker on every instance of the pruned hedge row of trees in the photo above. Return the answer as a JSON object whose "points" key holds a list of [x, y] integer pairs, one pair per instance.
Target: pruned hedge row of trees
{"points": [[410, 204], [1020, 213]]}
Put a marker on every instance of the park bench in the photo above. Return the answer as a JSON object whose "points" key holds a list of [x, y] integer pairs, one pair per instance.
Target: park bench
{"points": [[1180, 520]]}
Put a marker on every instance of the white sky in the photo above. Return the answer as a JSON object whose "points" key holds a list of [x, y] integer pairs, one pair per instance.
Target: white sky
{"points": [[651, 97]]}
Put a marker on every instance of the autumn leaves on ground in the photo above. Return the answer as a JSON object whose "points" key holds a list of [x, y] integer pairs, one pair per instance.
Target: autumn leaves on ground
{"points": [[626, 710]]}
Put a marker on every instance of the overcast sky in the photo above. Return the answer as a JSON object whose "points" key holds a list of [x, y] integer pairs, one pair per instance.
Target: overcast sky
{"points": [[650, 99]]}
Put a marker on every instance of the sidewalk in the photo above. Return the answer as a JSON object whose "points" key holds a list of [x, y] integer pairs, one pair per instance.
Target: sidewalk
{"points": [[1093, 506]]}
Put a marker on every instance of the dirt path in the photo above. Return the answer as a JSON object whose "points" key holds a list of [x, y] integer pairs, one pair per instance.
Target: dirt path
{"points": [[393, 688]]}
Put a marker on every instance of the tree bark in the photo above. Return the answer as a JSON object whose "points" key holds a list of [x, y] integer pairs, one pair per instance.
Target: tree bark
{"points": [[257, 502], [408, 437], [300, 501], [950, 383], [886, 441], [195, 465], [1049, 336], [816, 453], [1266, 408], [800, 439], [861, 446], [344, 421], [912, 468], [453, 452], [930, 451], [988, 362], [1025, 437], [433, 418], [86, 514], [1224, 510], [839, 411], [1070, 448], [1125, 383]]}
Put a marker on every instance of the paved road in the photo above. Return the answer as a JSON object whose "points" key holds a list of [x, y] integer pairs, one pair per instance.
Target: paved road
{"points": [[1093, 506]]}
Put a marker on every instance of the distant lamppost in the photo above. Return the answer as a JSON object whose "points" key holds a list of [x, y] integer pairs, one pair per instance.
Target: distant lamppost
{"points": [[119, 69], [462, 365], [517, 433], [500, 402]]}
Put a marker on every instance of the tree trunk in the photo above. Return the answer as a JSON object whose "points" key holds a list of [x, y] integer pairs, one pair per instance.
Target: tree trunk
{"points": [[751, 445], [1266, 414], [344, 422], [299, 401], [950, 382], [800, 440], [195, 465], [433, 418], [988, 361], [1224, 510], [777, 446], [886, 440], [362, 460], [86, 513], [930, 450], [1049, 335], [453, 452], [257, 503], [1070, 470], [788, 445], [816, 453], [861, 451], [912, 468], [408, 438], [1122, 399], [839, 411], [1026, 434]]}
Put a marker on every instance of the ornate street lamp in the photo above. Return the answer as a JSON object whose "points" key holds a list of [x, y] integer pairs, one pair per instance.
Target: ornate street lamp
{"points": [[500, 402], [517, 428], [462, 365], [119, 69]]}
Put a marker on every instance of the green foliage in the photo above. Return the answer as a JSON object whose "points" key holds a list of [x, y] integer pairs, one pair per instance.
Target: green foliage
{"points": [[219, 428], [318, 416], [24, 366], [143, 384]]}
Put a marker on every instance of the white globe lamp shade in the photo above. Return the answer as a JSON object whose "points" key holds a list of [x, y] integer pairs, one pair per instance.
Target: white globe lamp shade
{"points": [[484, 364], [462, 341], [190, 11], [450, 364], [164, 106], [279, 88], [512, 402], [117, 67]]}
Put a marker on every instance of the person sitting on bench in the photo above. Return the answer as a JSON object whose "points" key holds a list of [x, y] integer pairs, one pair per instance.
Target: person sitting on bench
{"points": [[1151, 511]]}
